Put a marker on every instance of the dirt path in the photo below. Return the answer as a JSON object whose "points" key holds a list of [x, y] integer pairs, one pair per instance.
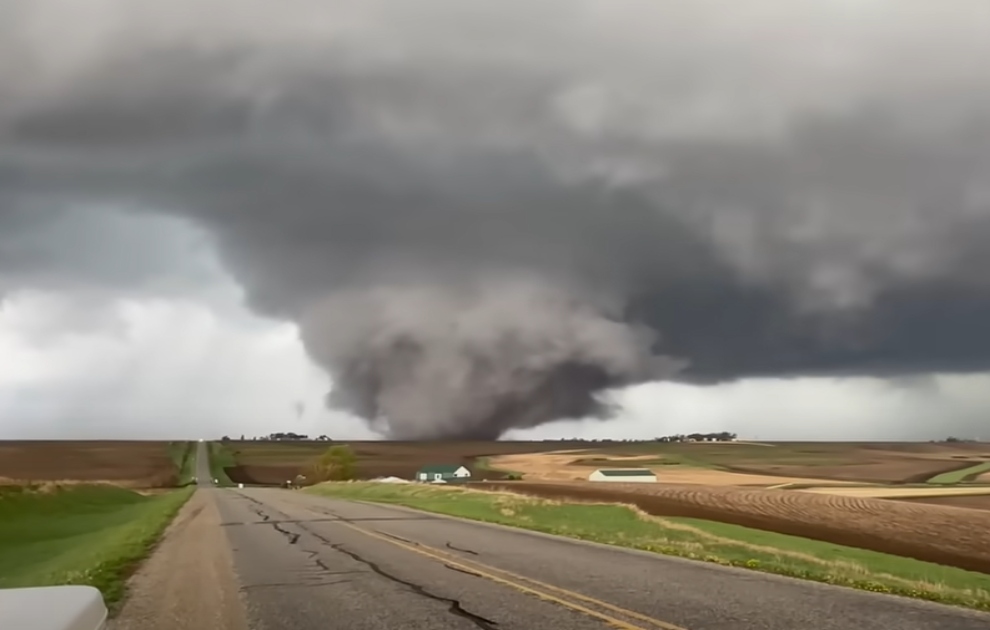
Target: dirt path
{"points": [[189, 582]]}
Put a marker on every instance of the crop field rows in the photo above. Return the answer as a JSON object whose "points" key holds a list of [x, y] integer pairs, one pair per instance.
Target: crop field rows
{"points": [[134, 464]]}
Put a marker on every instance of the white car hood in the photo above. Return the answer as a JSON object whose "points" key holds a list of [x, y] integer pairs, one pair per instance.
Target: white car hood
{"points": [[52, 608]]}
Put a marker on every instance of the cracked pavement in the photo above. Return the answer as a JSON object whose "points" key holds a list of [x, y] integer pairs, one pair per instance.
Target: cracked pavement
{"points": [[301, 569], [303, 564]]}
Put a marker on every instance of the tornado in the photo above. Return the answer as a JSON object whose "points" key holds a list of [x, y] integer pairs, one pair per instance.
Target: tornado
{"points": [[479, 225]]}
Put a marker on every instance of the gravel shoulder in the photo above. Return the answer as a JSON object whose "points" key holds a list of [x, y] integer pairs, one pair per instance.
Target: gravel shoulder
{"points": [[189, 582]]}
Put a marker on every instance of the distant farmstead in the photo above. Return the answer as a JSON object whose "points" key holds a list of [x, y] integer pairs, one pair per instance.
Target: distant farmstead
{"points": [[443, 473], [625, 475]]}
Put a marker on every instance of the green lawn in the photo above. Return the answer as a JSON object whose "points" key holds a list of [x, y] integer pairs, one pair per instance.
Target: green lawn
{"points": [[91, 535], [958, 476], [184, 456], [220, 458], [690, 538]]}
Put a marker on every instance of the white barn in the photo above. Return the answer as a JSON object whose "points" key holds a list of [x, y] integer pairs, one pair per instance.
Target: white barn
{"points": [[626, 475]]}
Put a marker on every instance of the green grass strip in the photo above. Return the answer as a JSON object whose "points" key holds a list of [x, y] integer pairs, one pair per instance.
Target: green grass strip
{"points": [[220, 458], [695, 539], [184, 456], [93, 535], [958, 476]]}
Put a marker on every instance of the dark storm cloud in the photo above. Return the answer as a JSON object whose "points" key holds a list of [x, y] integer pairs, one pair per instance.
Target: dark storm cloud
{"points": [[485, 215]]}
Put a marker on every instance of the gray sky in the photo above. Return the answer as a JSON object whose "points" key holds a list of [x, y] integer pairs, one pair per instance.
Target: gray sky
{"points": [[483, 217]]}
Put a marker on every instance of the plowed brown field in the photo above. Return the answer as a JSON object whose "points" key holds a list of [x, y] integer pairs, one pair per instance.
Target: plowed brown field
{"points": [[980, 502], [749, 464], [892, 469], [945, 535], [126, 463]]}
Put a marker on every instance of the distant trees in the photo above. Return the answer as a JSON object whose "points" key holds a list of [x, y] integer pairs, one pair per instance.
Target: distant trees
{"points": [[337, 463], [286, 436], [721, 436]]}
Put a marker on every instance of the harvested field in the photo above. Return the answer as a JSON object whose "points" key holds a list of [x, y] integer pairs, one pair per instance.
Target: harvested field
{"points": [[933, 533], [129, 464], [738, 463], [894, 462], [830, 461], [972, 502], [263, 462], [562, 466], [888, 492], [889, 469]]}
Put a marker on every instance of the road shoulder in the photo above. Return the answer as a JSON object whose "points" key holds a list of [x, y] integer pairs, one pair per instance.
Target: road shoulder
{"points": [[189, 582]]}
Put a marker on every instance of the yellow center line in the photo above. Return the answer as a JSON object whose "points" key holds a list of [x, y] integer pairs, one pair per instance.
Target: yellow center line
{"points": [[517, 582], [515, 576]]}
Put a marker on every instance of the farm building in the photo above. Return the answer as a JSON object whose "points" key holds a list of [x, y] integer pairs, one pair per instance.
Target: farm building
{"points": [[443, 473], [624, 475]]}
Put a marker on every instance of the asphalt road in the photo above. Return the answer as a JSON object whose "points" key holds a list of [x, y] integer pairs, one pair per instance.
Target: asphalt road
{"points": [[307, 562], [204, 478]]}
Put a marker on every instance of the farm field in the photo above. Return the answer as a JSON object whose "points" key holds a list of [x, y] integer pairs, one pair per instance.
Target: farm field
{"points": [[721, 464], [933, 533], [132, 464], [765, 464], [972, 502], [270, 462], [899, 492], [572, 466]]}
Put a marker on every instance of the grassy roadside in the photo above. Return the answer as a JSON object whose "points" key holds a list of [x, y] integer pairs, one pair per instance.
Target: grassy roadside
{"points": [[689, 538], [92, 535], [220, 458], [958, 476], [184, 456]]}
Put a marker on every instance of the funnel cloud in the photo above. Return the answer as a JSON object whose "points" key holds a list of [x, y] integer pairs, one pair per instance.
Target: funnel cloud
{"points": [[487, 216]]}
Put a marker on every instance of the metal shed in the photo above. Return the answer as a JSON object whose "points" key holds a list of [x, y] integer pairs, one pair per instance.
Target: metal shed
{"points": [[625, 475]]}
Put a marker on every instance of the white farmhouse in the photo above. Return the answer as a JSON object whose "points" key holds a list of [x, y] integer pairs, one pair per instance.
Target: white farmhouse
{"points": [[626, 475], [443, 473]]}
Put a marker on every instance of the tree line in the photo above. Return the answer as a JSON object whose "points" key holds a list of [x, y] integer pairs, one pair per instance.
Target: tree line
{"points": [[281, 437], [721, 436]]}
